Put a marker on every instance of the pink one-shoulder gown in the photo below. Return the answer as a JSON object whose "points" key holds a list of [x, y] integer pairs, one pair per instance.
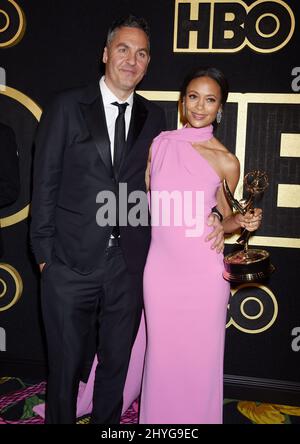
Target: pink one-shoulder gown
{"points": [[184, 292]]}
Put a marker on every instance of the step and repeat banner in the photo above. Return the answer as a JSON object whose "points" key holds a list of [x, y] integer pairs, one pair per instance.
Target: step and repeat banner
{"points": [[53, 45]]}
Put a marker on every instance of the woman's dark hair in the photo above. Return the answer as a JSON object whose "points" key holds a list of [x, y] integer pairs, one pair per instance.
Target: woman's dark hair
{"points": [[210, 72]]}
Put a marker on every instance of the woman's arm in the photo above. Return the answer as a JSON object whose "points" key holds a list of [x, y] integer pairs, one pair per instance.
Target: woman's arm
{"points": [[147, 172], [234, 221]]}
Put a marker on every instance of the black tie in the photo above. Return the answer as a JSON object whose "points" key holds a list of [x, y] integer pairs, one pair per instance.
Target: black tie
{"points": [[119, 143]]}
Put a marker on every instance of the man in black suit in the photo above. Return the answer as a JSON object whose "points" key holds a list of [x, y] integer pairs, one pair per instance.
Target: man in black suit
{"points": [[87, 268], [9, 169]]}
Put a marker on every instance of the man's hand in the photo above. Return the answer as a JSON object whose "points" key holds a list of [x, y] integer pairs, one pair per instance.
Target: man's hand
{"points": [[42, 266], [217, 234]]}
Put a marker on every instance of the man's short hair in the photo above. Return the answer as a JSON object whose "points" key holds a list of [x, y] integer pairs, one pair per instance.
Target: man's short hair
{"points": [[131, 21]]}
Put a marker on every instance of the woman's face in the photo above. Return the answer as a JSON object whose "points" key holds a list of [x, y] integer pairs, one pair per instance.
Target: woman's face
{"points": [[201, 102]]}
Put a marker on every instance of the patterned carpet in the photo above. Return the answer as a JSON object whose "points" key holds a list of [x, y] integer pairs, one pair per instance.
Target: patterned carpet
{"points": [[19, 396]]}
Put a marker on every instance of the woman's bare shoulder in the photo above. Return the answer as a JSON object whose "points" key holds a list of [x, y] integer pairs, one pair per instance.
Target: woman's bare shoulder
{"points": [[228, 155], [229, 161]]}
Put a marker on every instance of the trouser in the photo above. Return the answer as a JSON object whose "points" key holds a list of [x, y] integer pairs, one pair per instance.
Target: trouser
{"points": [[69, 303]]}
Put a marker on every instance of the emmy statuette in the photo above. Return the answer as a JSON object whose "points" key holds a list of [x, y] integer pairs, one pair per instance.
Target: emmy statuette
{"points": [[249, 264]]}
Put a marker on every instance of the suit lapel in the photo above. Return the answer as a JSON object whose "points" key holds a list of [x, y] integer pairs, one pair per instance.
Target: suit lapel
{"points": [[93, 112], [137, 121], [96, 122], [138, 118]]}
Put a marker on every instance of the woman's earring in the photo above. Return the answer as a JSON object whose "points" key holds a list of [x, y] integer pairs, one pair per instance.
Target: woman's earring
{"points": [[219, 116]]}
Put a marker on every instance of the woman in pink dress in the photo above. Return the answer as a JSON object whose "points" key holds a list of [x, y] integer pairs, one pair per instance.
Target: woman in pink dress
{"points": [[185, 294]]}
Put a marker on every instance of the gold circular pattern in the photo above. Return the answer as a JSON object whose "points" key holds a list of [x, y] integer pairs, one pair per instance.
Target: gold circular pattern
{"points": [[288, 38], [4, 288], [21, 28], [247, 316], [37, 112], [18, 285], [274, 316], [7, 20], [259, 31]]}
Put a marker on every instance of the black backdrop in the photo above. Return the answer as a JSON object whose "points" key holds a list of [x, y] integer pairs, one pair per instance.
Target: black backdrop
{"points": [[61, 48]]}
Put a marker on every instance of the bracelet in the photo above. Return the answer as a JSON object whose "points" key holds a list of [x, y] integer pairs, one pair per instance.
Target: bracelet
{"points": [[215, 211]]}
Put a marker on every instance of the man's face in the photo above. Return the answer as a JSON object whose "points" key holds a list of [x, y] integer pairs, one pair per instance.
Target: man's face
{"points": [[126, 59]]}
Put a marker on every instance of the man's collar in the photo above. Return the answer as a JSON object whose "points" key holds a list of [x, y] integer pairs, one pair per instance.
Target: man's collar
{"points": [[109, 97]]}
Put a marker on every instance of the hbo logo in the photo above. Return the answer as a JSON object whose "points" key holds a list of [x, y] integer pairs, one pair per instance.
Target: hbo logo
{"points": [[229, 26]]}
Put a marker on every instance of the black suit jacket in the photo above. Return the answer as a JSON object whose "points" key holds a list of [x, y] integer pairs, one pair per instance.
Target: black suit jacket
{"points": [[72, 165], [9, 169]]}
